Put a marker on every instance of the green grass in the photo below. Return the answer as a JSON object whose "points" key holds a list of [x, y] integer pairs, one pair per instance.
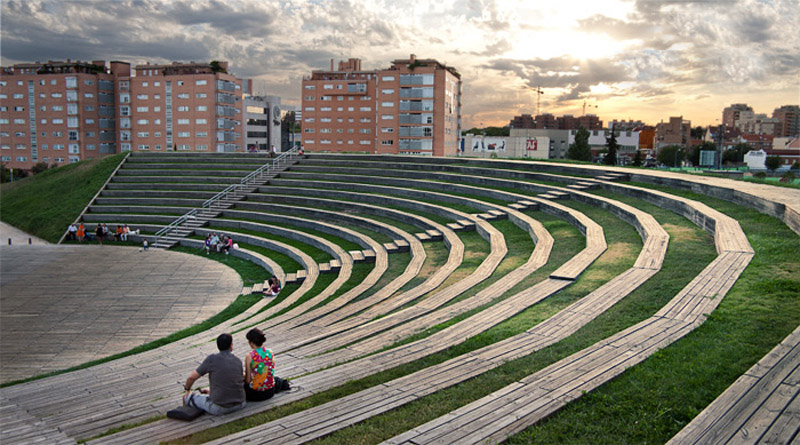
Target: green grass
{"points": [[654, 400], [45, 204]]}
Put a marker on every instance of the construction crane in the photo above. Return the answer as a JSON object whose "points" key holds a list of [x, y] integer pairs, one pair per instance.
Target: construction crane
{"points": [[539, 92]]}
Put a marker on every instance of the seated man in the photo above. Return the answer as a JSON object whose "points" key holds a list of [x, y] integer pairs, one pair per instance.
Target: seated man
{"points": [[226, 374]]}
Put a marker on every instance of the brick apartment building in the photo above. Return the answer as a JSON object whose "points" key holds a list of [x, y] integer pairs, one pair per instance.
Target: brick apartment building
{"points": [[547, 121], [57, 112], [63, 112], [788, 121], [412, 107], [678, 131]]}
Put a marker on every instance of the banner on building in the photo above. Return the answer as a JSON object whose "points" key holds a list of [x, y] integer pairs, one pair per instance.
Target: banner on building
{"points": [[532, 144]]}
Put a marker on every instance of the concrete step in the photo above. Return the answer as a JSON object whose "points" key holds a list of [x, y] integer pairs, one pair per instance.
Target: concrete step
{"points": [[258, 288]]}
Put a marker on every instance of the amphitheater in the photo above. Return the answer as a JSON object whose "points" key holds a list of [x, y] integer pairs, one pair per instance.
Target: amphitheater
{"points": [[394, 266]]}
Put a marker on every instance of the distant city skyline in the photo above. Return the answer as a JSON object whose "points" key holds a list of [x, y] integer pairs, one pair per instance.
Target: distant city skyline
{"points": [[643, 60]]}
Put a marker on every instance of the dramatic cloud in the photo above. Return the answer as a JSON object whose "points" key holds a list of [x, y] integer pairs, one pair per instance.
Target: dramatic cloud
{"points": [[646, 59]]}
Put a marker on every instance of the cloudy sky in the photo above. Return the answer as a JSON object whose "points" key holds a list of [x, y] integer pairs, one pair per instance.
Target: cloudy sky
{"points": [[643, 59]]}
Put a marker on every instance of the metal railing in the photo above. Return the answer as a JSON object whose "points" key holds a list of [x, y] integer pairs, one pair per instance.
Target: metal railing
{"points": [[256, 175]]}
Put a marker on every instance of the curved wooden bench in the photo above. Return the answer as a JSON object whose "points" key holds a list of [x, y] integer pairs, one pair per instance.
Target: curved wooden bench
{"points": [[514, 408], [760, 407]]}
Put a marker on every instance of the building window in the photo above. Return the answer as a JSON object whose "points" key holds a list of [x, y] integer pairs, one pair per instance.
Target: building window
{"points": [[364, 142], [309, 97], [201, 134], [72, 135], [308, 130], [141, 96], [201, 82], [71, 82], [183, 121], [201, 121], [309, 87], [387, 117], [202, 108], [365, 131], [327, 86], [387, 142], [325, 109], [143, 134], [142, 109], [387, 104], [143, 147], [183, 96], [184, 134], [201, 147], [365, 109], [183, 108], [22, 121], [387, 79], [387, 130], [201, 95], [142, 122]]}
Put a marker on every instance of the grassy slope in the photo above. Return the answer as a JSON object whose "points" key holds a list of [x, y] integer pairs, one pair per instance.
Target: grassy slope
{"points": [[45, 204]]}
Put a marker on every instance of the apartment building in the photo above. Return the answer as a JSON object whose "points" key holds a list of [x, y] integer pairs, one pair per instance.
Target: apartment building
{"points": [[262, 123], [412, 107], [57, 112], [732, 114], [787, 121], [678, 131], [181, 107], [547, 121], [68, 111]]}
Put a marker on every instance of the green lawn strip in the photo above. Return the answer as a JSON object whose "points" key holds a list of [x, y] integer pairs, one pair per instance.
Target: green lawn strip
{"points": [[624, 245], [410, 228], [358, 180], [694, 248], [45, 204], [475, 251], [246, 270], [568, 242], [319, 255], [654, 400]]}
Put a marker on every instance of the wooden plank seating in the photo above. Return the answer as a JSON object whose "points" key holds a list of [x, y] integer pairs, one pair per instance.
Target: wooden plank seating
{"points": [[510, 410], [760, 407], [417, 385], [310, 424]]}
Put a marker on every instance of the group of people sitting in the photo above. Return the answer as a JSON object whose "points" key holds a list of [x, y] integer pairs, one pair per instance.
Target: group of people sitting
{"points": [[231, 385], [101, 232], [218, 243]]}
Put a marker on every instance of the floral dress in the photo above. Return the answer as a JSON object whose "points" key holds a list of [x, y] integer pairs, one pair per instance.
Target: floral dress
{"points": [[262, 369]]}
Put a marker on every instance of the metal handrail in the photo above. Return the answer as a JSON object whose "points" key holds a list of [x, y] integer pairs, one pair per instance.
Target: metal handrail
{"points": [[282, 159]]}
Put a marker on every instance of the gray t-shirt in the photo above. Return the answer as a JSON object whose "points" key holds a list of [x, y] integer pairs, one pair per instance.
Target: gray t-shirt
{"points": [[225, 372]]}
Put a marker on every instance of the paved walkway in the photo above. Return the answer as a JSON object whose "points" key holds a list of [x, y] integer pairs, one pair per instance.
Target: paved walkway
{"points": [[10, 235], [66, 305]]}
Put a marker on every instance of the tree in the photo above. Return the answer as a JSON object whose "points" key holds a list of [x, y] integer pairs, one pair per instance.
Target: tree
{"points": [[611, 144], [217, 67], [671, 155], [698, 132], [637, 159], [580, 150], [772, 162], [796, 166], [489, 131], [694, 155], [39, 167]]}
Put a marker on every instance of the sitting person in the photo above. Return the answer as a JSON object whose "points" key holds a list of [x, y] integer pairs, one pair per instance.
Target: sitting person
{"points": [[274, 286], [125, 231], [260, 382], [118, 233], [214, 242], [207, 244], [224, 370], [227, 244]]}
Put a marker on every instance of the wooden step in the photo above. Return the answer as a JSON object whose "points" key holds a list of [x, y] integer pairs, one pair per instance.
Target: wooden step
{"points": [[369, 255], [335, 265], [434, 234], [498, 214], [517, 206], [402, 245], [423, 237], [467, 224], [391, 247], [455, 227], [325, 268], [258, 288], [358, 256]]}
